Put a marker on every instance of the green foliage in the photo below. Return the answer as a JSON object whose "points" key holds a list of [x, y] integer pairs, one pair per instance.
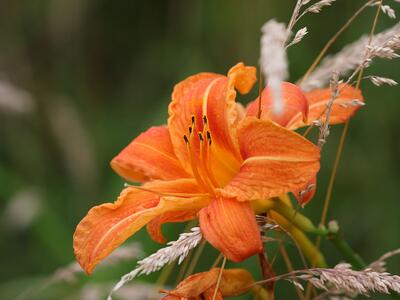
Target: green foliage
{"points": [[100, 72]]}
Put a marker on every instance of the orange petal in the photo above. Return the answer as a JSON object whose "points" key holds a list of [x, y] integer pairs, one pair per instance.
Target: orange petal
{"points": [[230, 226], [294, 103], [305, 194], [154, 227], [276, 161], [242, 77], [195, 285], [209, 294], [149, 156], [340, 112], [107, 226], [213, 96], [233, 282]]}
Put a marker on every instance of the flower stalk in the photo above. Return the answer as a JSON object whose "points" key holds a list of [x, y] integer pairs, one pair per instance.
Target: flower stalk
{"points": [[297, 219], [346, 251], [291, 214], [298, 224], [307, 248]]}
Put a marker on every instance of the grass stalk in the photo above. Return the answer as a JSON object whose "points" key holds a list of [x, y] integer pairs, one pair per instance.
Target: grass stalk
{"points": [[341, 147]]}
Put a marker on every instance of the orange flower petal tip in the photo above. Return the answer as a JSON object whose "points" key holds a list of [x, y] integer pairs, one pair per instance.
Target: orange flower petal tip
{"points": [[107, 226], [304, 195], [243, 77]]}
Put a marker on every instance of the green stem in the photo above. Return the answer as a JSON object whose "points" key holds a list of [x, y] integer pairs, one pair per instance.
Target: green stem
{"points": [[165, 274], [350, 255], [303, 243], [304, 224], [297, 219], [260, 293], [196, 258], [183, 268], [347, 252]]}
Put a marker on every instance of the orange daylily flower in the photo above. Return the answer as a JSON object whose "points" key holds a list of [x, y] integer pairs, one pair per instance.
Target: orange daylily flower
{"points": [[234, 282], [301, 109], [210, 161]]}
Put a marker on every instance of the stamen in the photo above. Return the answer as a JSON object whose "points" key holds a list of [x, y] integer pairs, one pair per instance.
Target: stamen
{"points": [[203, 159], [209, 137], [205, 120], [193, 164], [185, 138], [207, 161], [201, 165]]}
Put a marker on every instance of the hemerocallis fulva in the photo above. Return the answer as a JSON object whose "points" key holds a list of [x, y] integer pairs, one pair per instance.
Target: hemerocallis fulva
{"points": [[210, 162]]}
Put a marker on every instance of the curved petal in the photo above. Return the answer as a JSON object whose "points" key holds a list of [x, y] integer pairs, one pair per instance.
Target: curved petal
{"points": [[342, 109], [149, 156], [242, 77], [154, 227], [294, 103], [276, 161], [241, 112], [213, 96], [305, 194], [107, 226], [230, 226], [233, 282]]}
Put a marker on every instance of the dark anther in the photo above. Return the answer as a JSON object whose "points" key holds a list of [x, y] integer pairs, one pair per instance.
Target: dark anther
{"points": [[185, 138], [193, 120], [205, 121], [190, 129], [201, 137], [209, 137]]}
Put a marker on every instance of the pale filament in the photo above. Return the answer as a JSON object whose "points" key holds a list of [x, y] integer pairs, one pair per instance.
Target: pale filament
{"points": [[203, 159], [201, 165], [192, 156], [195, 171], [207, 146]]}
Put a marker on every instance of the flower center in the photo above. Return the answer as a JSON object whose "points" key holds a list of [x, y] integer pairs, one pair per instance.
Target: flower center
{"points": [[199, 148]]}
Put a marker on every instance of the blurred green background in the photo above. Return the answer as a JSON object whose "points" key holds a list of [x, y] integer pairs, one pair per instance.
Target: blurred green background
{"points": [[80, 79]]}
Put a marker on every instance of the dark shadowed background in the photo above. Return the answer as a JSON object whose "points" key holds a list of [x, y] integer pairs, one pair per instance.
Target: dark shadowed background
{"points": [[80, 79]]}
